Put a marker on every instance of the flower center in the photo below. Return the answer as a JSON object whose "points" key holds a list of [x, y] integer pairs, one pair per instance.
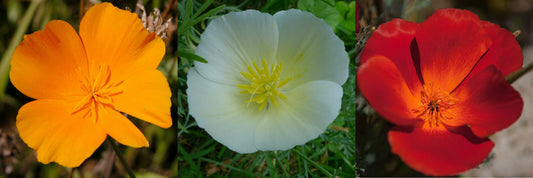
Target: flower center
{"points": [[100, 91], [435, 105], [263, 84]]}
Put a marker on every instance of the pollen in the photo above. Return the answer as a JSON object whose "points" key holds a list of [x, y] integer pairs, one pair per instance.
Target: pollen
{"points": [[435, 105], [264, 84]]}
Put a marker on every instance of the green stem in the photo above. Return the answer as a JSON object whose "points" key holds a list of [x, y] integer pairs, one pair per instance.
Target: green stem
{"points": [[519, 73], [120, 157], [17, 37], [313, 163]]}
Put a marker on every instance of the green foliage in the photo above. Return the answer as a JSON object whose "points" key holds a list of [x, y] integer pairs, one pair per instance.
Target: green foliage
{"points": [[347, 12], [191, 56], [324, 9]]}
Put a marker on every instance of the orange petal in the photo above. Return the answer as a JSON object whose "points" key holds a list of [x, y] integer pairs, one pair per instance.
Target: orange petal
{"points": [[120, 128], [146, 95], [117, 38], [43, 64], [47, 126]]}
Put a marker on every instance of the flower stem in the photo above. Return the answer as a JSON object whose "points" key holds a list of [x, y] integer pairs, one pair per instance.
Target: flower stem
{"points": [[120, 157], [519, 73]]}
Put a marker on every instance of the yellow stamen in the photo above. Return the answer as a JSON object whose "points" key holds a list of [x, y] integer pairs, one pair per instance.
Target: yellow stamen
{"points": [[264, 84]]}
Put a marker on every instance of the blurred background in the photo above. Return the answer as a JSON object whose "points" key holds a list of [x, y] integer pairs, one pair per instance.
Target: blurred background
{"points": [[19, 17], [513, 151]]}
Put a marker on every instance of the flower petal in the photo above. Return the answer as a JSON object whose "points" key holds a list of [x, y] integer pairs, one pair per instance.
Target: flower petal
{"points": [[222, 111], [505, 52], [450, 42], [383, 86], [48, 127], [305, 114], [439, 151], [309, 48], [486, 103], [233, 41], [146, 96], [394, 40], [120, 128], [43, 64], [117, 38]]}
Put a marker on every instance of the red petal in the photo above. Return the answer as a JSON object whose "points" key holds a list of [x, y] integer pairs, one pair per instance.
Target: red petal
{"points": [[438, 151], [450, 42], [487, 103], [393, 40], [383, 86], [505, 53]]}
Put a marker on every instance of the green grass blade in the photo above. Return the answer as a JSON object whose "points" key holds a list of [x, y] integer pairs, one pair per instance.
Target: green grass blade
{"points": [[189, 23], [313, 163], [188, 9], [191, 56], [202, 8]]}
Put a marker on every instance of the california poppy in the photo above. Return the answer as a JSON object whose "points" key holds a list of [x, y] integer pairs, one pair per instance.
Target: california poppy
{"points": [[83, 82], [271, 82], [441, 82]]}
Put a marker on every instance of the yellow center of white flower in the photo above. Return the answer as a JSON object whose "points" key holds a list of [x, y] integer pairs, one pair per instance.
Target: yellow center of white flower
{"points": [[264, 84]]}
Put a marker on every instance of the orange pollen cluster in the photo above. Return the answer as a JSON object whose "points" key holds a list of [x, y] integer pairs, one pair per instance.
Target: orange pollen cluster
{"points": [[99, 92], [435, 105]]}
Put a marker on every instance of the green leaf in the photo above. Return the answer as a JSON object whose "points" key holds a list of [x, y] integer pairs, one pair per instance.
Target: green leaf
{"points": [[347, 13], [342, 7], [323, 9], [191, 56]]}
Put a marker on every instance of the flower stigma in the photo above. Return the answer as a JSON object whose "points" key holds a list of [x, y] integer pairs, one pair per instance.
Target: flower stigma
{"points": [[435, 105], [264, 84]]}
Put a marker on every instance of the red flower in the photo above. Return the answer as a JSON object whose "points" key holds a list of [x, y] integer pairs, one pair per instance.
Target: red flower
{"points": [[442, 83]]}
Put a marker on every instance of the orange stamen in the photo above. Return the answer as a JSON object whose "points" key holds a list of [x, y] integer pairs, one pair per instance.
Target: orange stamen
{"points": [[100, 92], [435, 105]]}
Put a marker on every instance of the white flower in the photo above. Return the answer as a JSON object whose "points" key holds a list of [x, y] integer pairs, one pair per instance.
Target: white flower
{"points": [[271, 82]]}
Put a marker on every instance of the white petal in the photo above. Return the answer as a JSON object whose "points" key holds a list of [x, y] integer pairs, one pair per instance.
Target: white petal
{"points": [[222, 111], [233, 41], [308, 46], [305, 114]]}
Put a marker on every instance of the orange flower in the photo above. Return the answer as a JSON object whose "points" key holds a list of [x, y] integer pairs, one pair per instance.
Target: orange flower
{"points": [[82, 83]]}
